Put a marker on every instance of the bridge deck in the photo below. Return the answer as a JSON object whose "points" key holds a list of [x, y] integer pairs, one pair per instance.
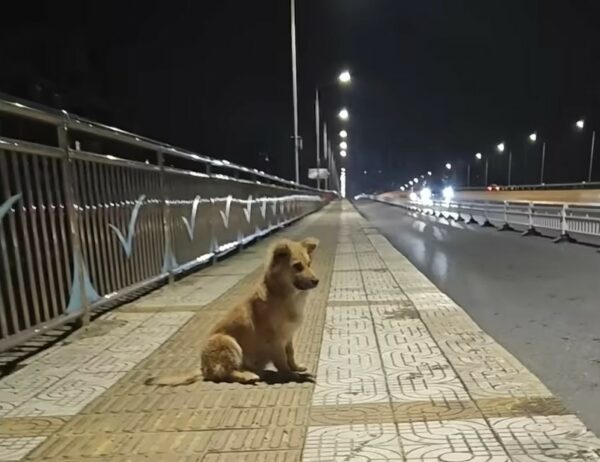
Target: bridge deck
{"points": [[402, 374]]}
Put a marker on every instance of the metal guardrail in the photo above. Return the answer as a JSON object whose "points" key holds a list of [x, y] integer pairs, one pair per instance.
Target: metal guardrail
{"points": [[102, 213], [569, 221]]}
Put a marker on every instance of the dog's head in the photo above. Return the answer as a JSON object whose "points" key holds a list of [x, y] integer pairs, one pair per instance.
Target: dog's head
{"points": [[291, 263]]}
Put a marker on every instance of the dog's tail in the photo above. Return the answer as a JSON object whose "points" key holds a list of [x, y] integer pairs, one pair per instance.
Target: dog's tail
{"points": [[174, 380]]}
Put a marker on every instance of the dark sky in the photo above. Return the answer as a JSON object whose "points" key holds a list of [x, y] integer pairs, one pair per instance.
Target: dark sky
{"points": [[434, 80]]}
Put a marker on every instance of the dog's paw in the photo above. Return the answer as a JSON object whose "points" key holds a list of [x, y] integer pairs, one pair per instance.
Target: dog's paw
{"points": [[305, 377], [299, 368]]}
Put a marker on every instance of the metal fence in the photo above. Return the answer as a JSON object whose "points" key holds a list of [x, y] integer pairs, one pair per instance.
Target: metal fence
{"points": [[569, 222], [89, 214]]}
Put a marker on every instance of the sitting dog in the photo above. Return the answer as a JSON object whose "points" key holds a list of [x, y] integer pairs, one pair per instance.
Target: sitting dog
{"points": [[260, 330]]}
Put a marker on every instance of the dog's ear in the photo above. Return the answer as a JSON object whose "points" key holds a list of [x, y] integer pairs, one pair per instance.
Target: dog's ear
{"points": [[281, 251], [310, 244]]}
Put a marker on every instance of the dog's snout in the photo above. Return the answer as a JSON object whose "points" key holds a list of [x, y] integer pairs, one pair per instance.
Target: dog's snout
{"points": [[315, 282]]}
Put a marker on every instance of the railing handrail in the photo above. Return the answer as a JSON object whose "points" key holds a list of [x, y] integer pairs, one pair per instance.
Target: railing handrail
{"points": [[545, 186], [54, 116]]}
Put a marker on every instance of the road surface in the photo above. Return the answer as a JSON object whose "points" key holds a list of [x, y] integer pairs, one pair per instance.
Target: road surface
{"points": [[538, 299], [573, 196]]}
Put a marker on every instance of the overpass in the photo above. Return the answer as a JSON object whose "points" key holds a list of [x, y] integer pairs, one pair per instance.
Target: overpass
{"points": [[143, 251]]}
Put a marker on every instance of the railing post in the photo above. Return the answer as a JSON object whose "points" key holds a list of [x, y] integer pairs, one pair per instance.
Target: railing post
{"points": [[71, 206], [166, 216], [506, 226], [564, 227], [486, 223], [531, 231]]}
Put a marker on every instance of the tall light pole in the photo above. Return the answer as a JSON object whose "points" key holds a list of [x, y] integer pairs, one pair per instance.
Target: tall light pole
{"points": [[501, 147], [533, 139], [479, 156], [580, 124], [344, 78], [295, 89], [317, 130]]}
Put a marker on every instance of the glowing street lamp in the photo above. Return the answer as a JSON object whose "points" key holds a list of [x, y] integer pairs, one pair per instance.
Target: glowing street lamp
{"points": [[343, 153], [416, 180], [344, 114], [479, 156], [580, 124], [345, 77], [533, 137], [500, 147], [343, 145], [448, 166], [343, 134], [429, 173]]}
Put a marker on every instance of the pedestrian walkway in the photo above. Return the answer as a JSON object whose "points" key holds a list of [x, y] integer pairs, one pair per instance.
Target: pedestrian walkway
{"points": [[403, 374]]}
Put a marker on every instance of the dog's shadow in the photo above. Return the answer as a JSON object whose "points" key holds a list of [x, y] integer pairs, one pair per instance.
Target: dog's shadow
{"points": [[276, 377]]}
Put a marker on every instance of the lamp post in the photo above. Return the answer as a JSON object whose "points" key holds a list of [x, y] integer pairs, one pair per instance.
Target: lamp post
{"points": [[580, 124], [295, 88], [533, 139], [344, 78], [479, 156], [501, 147]]}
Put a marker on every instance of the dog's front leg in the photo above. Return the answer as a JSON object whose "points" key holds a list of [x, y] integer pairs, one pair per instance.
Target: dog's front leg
{"points": [[280, 359], [291, 360]]}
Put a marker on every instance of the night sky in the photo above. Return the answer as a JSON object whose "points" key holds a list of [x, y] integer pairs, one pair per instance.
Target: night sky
{"points": [[434, 80]]}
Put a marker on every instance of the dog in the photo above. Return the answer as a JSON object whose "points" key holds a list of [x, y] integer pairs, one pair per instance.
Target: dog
{"points": [[260, 329]]}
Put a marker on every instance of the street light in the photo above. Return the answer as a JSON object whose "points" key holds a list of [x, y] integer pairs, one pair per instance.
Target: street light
{"points": [[449, 166], [343, 153], [343, 145], [533, 139], [345, 77], [479, 156], [416, 180], [501, 148], [344, 114], [410, 182], [343, 134], [580, 124], [429, 173], [295, 89]]}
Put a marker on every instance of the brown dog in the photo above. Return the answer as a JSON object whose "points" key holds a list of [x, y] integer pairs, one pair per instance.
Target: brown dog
{"points": [[260, 329]]}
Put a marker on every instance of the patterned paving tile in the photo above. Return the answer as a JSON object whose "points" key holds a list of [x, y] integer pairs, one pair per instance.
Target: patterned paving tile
{"points": [[370, 442], [454, 440], [68, 396], [15, 449], [547, 439], [351, 414]]}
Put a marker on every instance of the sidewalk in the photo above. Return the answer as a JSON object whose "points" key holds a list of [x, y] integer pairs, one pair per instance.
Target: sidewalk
{"points": [[402, 374]]}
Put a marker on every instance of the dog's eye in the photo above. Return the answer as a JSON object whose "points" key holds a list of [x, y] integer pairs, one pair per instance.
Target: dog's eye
{"points": [[298, 266]]}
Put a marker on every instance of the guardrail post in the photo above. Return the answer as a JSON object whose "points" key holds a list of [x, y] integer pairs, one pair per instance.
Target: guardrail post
{"points": [[531, 231], [486, 223], [166, 216], [459, 217], [506, 226], [564, 227], [73, 216]]}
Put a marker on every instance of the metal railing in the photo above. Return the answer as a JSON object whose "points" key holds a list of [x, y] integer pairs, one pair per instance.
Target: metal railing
{"points": [[569, 221], [90, 214]]}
